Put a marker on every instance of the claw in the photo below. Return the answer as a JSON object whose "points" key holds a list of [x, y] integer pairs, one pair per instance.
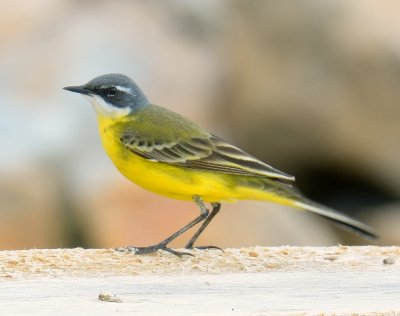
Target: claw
{"points": [[151, 249], [205, 248], [177, 253]]}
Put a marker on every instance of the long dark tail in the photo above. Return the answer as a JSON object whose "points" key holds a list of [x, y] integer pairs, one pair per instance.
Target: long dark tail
{"points": [[291, 196], [340, 219]]}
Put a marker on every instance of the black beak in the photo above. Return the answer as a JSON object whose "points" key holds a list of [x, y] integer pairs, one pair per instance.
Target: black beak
{"points": [[78, 89]]}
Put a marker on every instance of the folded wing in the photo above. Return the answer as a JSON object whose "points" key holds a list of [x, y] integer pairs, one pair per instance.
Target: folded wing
{"points": [[203, 152]]}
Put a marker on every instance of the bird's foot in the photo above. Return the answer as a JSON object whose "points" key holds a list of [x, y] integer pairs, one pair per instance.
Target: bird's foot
{"points": [[203, 247], [151, 249]]}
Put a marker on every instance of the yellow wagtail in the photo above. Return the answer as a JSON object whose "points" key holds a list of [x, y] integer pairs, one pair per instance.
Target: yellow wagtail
{"points": [[166, 153]]}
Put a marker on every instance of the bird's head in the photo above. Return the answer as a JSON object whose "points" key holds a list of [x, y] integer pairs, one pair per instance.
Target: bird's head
{"points": [[112, 95]]}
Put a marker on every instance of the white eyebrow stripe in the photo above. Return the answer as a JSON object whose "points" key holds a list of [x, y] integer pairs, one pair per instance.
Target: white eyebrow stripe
{"points": [[124, 89]]}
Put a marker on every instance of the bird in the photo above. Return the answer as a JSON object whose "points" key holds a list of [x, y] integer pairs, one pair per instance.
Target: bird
{"points": [[170, 155]]}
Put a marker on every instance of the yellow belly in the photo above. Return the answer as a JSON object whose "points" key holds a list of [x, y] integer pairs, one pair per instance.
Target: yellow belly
{"points": [[164, 179], [178, 182]]}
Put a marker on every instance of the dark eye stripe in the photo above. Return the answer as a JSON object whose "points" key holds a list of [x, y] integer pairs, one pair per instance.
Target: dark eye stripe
{"points": [[110, 92]]}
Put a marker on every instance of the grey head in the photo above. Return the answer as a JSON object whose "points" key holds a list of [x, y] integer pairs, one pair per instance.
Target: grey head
{"points": [[112, 94]]}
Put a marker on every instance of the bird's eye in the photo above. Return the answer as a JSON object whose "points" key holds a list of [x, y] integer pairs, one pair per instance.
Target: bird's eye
{"points": [[111, 92]]}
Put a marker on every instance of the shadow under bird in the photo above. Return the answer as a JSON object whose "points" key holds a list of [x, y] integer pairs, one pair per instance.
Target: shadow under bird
{"points": [[168, 154]]}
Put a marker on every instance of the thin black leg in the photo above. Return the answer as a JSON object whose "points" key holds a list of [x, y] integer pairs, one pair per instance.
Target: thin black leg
{"points": [[163, 245], [215, 210]]}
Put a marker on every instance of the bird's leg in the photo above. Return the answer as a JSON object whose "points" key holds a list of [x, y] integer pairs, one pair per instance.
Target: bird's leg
{"points": [[215, 210], [163, 245]]}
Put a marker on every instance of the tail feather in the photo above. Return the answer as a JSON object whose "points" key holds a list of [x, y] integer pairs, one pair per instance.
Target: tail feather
{"points": [[338, 218], [283, 192]]}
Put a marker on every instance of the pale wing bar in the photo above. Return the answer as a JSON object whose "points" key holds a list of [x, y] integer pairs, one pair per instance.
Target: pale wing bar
{"points": [[178, 153], [232, 156]]}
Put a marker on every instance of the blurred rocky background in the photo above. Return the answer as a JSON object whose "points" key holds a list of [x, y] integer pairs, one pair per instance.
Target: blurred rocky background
{"points": [[311, 87]]}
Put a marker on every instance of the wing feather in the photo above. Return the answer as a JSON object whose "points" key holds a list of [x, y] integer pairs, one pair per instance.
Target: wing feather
{"points": [[203, 153]]}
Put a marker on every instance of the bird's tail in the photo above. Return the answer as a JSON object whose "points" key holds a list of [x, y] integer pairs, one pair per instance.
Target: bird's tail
{"points": [[340, 219], [283, 192]]}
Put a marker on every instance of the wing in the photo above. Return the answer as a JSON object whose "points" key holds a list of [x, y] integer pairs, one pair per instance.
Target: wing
{"points": [[174, 140]]}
